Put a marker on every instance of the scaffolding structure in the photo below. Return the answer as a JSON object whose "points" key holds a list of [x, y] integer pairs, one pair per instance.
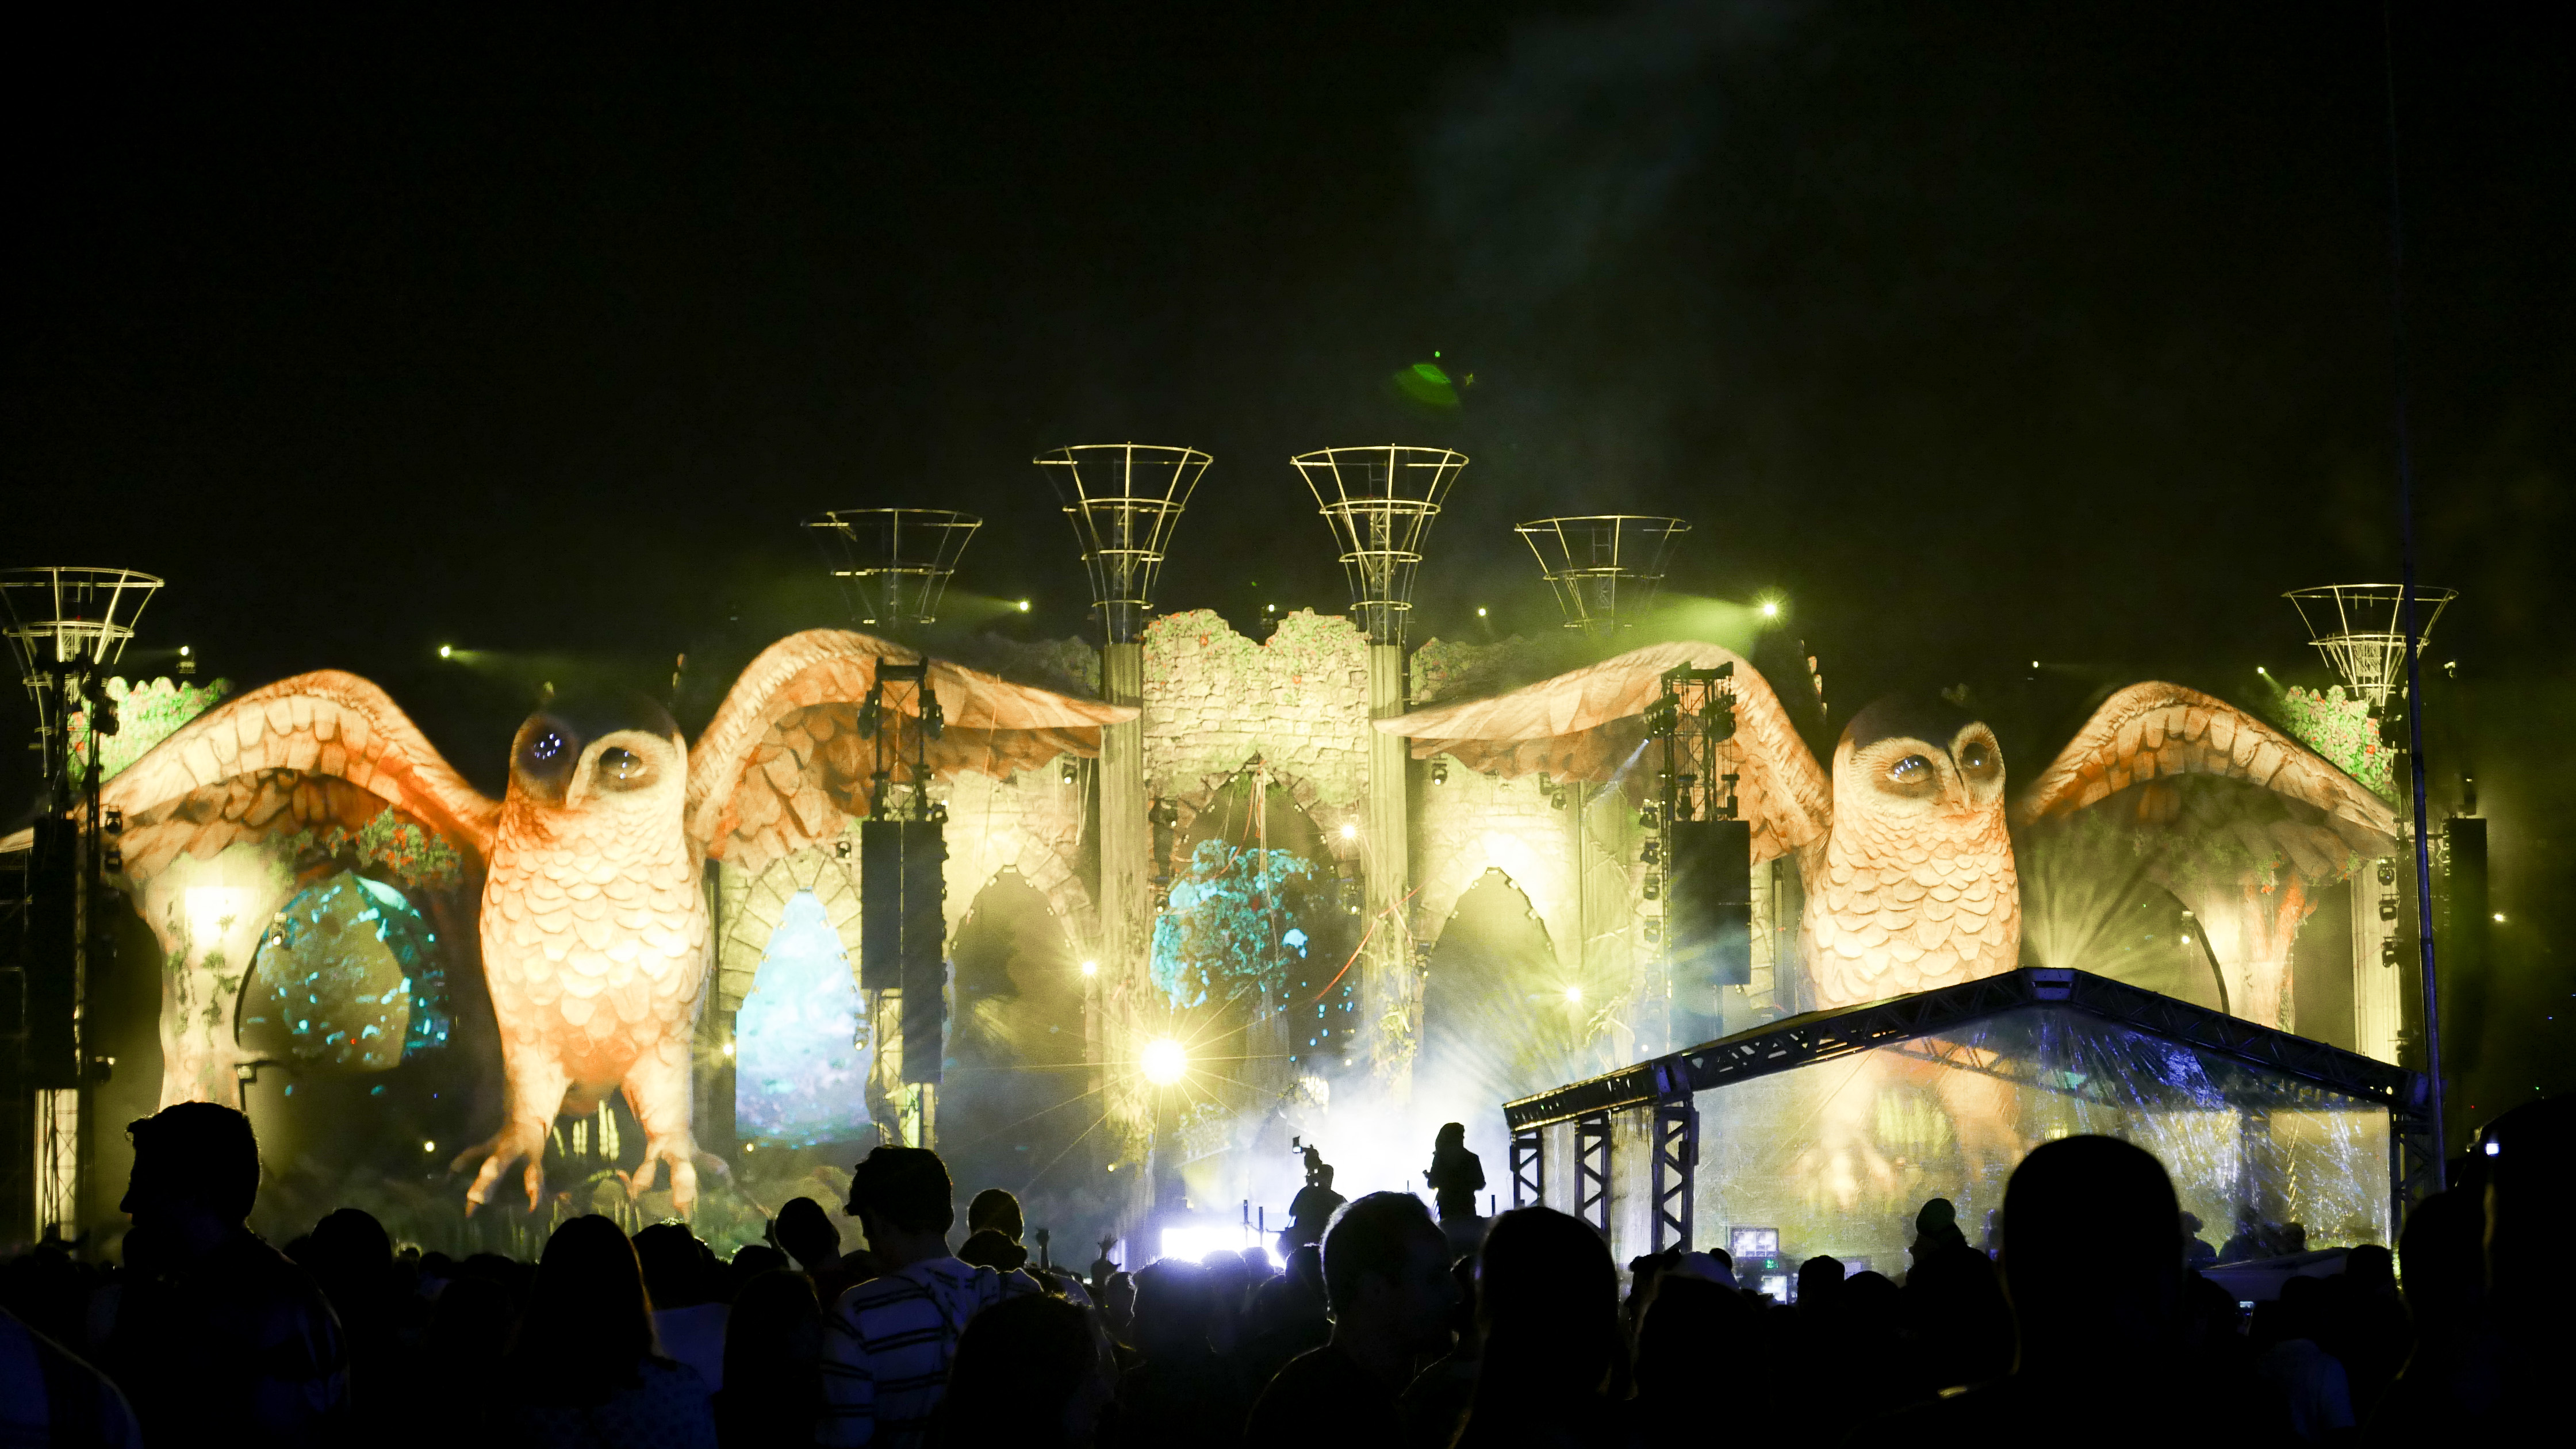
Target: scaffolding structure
{"points": [[67, 625], [2360, 629], [1380, 502], [1123, 499], [893, 564], [1604, 567]]}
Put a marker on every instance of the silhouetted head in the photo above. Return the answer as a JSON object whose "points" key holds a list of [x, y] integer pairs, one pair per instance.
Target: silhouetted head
{"points": [[1819, 1279], [675, 1265], [772, 1336], [588, 1324], [2092, 1253], [1547, 1300], [1386, 1271], [807, 1233], [1452, 1138], [1314, 1163], [1175, 1306], [1692, 1327], [1030, 1373], [2372, 1269], [194, 1162], [905, 1188], [996, 1209], [992, 1248]]}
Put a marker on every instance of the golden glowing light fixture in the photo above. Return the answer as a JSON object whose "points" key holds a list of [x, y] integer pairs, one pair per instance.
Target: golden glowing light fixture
{"points": [[893, 563], [1604, 567], [1165, 1062], [1090, 968]]}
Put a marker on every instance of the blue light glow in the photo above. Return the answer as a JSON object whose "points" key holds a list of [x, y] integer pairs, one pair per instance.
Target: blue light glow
{"points": [[798, 1079]]}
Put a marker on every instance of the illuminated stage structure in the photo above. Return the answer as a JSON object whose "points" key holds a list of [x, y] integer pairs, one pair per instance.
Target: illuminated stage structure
{"points": [[1210, 893]]}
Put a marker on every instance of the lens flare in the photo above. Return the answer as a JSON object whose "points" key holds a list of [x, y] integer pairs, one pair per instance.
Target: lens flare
{"points": [[1165, 1062]]}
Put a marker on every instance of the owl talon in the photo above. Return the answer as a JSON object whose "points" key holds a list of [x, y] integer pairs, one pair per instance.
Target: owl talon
{"points": [[500, 1152]]}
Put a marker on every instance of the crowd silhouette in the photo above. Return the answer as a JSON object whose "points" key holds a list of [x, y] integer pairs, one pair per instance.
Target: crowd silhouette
{"points": [[2092, 1322]]}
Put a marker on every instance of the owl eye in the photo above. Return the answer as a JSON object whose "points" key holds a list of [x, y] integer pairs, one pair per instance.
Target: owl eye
{"points": [[1912, 770], [1976, 756], [546, 748], [621, 766]]}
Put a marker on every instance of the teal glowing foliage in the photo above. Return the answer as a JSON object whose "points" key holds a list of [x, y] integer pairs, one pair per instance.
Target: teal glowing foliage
{"points": [[348, 978], [417, 858], [1228, 931], [146, 714], [2344, 731]]}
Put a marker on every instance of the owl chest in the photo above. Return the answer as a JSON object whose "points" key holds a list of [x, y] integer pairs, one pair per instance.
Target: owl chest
{"points": [[1873, 887], [591, 905]]}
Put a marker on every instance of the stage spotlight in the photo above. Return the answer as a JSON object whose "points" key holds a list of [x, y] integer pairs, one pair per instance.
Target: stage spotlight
{"points": [[429, 1147], [1090, 968], [728, 1048], [1165, 1062], [1480, 611], [446, 650], [1350, 832], [1770, 608], [1574, 994], [1024, 606], [2499, 918]]}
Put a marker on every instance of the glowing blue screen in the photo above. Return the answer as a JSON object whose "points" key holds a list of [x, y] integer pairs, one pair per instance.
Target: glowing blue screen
{"points": [[798, 1077]]}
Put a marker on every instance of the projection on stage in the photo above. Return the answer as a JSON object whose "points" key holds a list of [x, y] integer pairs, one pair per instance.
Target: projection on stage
{"points": [[798, 1077], [1839, 1154], [594, 917], [348, 979]]}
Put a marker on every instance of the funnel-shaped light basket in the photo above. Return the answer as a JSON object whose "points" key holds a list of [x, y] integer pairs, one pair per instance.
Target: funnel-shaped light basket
{"points": [[1380, 502], [893, 564], [1604, 567], [1123, 499], [2361, 630]]}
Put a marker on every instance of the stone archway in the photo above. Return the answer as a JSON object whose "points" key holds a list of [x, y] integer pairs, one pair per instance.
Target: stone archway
{"points": [[1496, 1019]]}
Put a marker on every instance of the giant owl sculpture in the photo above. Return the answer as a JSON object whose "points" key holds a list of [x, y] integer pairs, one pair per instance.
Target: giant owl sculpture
{"points": [[593, 918], [1907, 850]]}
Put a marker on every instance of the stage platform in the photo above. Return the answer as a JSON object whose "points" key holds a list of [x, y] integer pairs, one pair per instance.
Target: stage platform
{"points": [[1831, 1129]]}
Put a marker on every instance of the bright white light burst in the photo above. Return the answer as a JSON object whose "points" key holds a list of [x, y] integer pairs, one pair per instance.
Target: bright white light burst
{"points": [[1165, 1062]]}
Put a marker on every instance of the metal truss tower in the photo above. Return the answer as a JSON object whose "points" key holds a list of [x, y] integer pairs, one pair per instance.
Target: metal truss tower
{"points": [[1380, 503], [1604, 567]]}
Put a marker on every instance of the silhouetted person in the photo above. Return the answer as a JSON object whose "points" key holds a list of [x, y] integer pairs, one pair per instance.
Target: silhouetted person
{"points": [[1288, 1317], [2309, 1383], [886, 1343], [2092, 1262], [808, 1235], [2196, 1251], [352, 1260], [1387, 1284], [2366, 1325], [1956, 1318], [1456, 1174], [1695, 1333], [772, 1344], [1033, 1373], [583, 1368], [1184, 1391], [2449, 1376], [1548, 1307], [217, 1336], [1102, 1267], [997, 1210], [688, 1315], [1434, 1406], [1312, 1207], [1820, 1284], [462, 1353]]}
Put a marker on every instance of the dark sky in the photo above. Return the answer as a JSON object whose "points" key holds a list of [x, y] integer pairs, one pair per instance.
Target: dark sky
{"points": [[1988, 333]]}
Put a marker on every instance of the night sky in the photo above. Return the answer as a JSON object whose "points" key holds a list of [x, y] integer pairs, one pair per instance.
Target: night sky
{"points": [[1988, 334]]}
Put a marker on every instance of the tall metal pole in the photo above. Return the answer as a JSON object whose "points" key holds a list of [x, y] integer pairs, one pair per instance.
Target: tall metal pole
{"points": [[2406, 579]]}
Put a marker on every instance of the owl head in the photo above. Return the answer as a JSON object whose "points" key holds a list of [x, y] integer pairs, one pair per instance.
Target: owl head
{"points": [[618, 752], [1910, 759]]}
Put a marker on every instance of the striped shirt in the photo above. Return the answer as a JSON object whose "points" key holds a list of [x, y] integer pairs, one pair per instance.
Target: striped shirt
{"points": [[886, 1347]]}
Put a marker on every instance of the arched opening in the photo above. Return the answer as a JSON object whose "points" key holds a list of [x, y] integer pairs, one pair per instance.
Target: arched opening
{"points": [[1016, 1109], [800, 1072], [1253, 949], [1497, 1020]]}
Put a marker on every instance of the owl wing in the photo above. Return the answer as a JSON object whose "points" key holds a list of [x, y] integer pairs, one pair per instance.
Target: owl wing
{"points": [[313, 751], [1589, 724], [2150, 732], [783, 765]]}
